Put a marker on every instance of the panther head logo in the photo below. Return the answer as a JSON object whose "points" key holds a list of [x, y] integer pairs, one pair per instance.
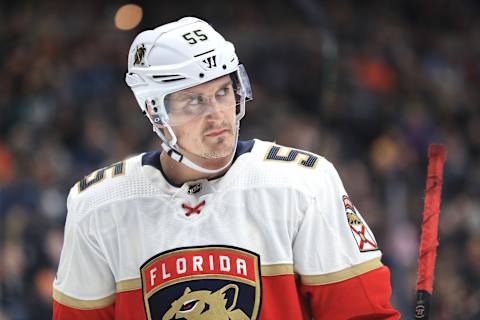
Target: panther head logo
{"points": [[204, 304], [353, 219]]}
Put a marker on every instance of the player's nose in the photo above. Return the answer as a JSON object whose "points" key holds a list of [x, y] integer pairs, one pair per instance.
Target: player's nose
{"points": [[215, 108]]}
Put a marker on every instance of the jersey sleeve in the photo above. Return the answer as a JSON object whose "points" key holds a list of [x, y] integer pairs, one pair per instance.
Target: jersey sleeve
{"points": [[84, 287], [337, 256]]}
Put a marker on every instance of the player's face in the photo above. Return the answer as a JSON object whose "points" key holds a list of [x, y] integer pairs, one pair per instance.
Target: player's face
{"points": [[209, 133]]}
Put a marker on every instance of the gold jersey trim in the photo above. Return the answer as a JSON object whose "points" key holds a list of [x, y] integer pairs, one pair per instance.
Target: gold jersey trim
{"points": [[267, 271], [129, 285], [82, 304], [277, 270], [344, 274]]}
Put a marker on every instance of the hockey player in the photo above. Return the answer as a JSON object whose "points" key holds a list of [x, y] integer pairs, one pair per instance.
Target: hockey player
{"points": [[211, 227]]}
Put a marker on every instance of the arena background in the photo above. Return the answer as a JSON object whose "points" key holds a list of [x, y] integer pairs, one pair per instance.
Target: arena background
{"points": [[367, 84]]}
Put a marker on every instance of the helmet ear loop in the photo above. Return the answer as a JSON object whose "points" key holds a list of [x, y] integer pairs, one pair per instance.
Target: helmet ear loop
{"points": [[164, 125], [173, 141]]}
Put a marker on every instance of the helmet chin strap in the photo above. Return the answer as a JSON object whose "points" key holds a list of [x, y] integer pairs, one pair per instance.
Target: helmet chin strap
{"points": [[172, 150]]}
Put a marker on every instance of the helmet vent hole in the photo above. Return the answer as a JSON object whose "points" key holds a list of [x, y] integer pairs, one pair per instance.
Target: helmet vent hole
{"points": [[224, 67], [201, 75]]}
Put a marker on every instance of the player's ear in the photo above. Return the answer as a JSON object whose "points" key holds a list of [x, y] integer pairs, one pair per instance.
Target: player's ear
{"points": [[230, 293]]}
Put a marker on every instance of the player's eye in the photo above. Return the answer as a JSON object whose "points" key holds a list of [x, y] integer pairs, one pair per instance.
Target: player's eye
{"points": [[223, 92], [197, 100], [194, 100], [189, 305]]}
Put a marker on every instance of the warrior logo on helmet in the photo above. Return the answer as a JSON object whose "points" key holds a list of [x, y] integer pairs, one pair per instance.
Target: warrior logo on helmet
{"points": [[199, 283], [210, 62]]}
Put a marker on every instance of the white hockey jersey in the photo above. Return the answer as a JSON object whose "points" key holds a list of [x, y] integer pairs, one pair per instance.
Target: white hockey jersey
{"points": [[276, 237]]}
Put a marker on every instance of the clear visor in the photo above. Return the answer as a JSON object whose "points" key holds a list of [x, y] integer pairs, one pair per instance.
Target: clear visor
{"points": [[186, 105]]}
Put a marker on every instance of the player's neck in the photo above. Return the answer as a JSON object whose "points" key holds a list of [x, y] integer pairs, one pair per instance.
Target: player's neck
{"points": [[180, 173]]}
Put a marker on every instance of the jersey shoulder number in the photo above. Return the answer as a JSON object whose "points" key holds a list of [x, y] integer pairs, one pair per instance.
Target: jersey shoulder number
{"points": [[299, 157], [115, 170]]}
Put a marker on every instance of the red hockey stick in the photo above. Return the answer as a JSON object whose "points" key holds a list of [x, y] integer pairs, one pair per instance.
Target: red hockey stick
{"points": [[429, 240]]}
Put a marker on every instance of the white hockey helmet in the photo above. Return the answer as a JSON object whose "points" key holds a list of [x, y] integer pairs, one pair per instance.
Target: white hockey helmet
{"points": [[177, 56]]}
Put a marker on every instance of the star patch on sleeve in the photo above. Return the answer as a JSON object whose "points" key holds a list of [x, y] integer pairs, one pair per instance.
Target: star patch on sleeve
{"points": [[363, 237]]}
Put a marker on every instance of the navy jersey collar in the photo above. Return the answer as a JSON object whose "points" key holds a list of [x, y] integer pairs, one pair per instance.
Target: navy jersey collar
{"points": [[153, 158]]}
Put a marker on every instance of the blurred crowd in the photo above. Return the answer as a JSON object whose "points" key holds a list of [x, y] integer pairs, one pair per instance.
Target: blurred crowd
{"points": [[367, 84]]}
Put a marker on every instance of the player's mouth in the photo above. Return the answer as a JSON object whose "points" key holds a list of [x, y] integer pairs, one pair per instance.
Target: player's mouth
{"points": [[217, 132]]}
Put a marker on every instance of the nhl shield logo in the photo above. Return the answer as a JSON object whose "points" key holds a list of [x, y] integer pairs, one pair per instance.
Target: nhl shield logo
{"points": [[197, 283]]}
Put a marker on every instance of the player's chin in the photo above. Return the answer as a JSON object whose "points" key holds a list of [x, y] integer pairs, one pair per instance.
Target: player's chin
{"points": [[220, 147]]}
